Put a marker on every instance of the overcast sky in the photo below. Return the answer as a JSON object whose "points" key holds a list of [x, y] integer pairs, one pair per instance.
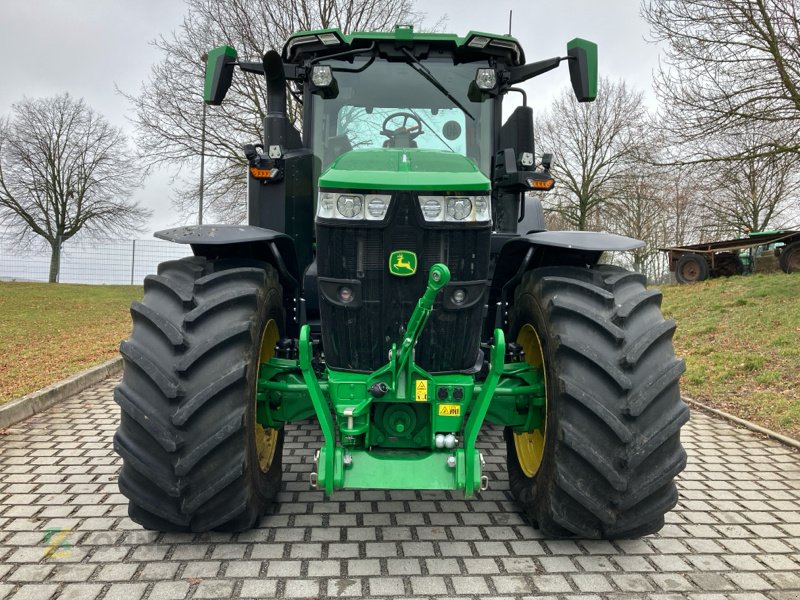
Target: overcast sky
{"points": [[91, 47]]}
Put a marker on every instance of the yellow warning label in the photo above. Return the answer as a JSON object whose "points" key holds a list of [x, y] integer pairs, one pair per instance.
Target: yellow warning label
{"points": [[422, 390], [449, 410]]}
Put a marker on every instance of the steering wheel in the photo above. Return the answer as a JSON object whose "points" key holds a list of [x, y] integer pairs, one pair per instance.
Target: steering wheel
{"points": [[403, 130]]}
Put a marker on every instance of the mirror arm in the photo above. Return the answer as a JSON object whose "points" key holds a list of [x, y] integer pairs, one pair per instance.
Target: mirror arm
{"points": [[251, 67], [291, 71], [525, 72]]}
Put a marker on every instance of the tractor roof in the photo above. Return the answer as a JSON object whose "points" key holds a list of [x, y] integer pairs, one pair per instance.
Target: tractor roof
{"points": [[474, 45]]}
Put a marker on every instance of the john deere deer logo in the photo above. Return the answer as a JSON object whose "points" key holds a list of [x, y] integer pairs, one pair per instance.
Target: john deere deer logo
{"points": [[402, 263]]}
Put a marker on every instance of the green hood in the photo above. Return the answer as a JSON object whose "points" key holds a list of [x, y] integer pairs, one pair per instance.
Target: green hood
{"points": [[404, 169]]}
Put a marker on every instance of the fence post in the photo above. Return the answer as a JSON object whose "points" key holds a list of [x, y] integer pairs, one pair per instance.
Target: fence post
{"points": [[133, 259]]}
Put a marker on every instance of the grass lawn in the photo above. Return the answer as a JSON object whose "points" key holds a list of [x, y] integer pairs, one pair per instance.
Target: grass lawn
{"points": [[50, 331], [740, 337]]}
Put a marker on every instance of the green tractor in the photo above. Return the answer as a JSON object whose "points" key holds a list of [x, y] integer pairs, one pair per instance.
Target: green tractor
{"points": [[396, 283]]}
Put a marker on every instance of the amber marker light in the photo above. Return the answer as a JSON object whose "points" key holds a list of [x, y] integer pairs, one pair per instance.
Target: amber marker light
{"points": [[542, 184], [262, 173]]}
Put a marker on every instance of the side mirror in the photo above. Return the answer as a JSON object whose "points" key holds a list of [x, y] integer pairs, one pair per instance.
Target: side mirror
{"points": [[219, 74], [583, 69]]}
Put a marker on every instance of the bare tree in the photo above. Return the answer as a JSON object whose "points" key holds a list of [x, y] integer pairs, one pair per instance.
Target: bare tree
{"points": [[637, 210], [593, 144], [168, 109], [753, 193], [64, 169], [729, 64]]}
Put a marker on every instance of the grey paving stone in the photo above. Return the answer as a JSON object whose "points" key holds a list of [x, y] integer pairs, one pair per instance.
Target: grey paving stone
{"points": [[591, 583], [284, 568], [240, 569], [302, 588], [551, 583], [168, 590], [135, 591], [735, 533], [81, 591], [362, 568], [403, 566], [258, 588], [36, 591], [344, 588], [216, 589], [386, 586], [470, 586], [73, 572], [201, 569], [512, 584], [30, 573], [428, 586]]}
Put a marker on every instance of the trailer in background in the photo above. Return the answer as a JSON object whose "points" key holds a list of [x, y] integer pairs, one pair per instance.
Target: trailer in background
{"points": [[755, 252]]}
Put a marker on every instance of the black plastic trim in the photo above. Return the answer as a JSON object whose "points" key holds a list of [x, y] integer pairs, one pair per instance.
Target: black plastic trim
{"points": [[475, 292], [329, 290]]}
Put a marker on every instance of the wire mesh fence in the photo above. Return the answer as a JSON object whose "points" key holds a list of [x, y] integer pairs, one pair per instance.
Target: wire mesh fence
{"points": [[122, 262]]}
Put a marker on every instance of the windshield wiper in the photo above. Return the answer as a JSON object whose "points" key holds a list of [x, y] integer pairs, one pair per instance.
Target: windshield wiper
{"points": [[431, 129], [422, 70]]}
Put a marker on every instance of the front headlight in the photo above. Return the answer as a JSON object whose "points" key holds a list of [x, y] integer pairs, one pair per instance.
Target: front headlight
{"points": [[431, 208], [350, 206], [456, 209], [353, 207], [326, 207], [377, 207]]}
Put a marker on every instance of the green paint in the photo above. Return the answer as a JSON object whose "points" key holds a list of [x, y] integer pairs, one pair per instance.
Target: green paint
{"points": [[388, 442], [404, 169], [281, 394], [590, 50], [326, 455], [214, 78], [478, 411], [403, 263]]}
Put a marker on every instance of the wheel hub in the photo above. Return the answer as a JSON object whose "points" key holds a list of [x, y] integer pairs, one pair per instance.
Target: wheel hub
{"points": [[690, 271], [267, 437], [529, 445]]}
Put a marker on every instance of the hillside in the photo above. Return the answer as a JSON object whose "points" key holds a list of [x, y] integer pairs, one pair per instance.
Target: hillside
{"points": [[740, 337]]}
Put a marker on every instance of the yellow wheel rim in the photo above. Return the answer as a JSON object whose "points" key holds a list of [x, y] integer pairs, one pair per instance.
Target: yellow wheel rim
{"points": [[530, 445], [267, 437]]}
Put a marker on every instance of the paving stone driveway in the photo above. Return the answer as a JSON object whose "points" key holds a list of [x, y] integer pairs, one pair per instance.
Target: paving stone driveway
{"points": [[64, 531]]}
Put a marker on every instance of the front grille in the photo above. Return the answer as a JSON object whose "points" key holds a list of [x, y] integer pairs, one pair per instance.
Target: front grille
{"points": [[360, 338]]}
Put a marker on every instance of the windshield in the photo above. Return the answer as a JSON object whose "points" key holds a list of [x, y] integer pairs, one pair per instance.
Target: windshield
{"points": [[389, 104]]}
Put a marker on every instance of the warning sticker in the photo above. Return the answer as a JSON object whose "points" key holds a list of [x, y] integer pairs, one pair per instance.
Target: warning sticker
{"points": [[449, 410], [422, 390]]}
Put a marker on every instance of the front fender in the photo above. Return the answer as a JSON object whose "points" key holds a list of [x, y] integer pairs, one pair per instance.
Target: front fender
{"points": [[554, 248], [240, 241]]}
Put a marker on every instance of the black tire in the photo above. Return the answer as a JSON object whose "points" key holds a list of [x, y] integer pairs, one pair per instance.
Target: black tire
{"points": [[691, 268], [728, 264], [789, 259], [614, 411], [187, 397]]}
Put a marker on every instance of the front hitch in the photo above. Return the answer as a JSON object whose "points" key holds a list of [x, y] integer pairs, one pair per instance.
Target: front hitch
{"points": [[357, 461]]}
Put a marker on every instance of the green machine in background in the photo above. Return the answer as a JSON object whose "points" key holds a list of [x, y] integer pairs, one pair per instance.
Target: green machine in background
{"points": [[396, 283]]}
